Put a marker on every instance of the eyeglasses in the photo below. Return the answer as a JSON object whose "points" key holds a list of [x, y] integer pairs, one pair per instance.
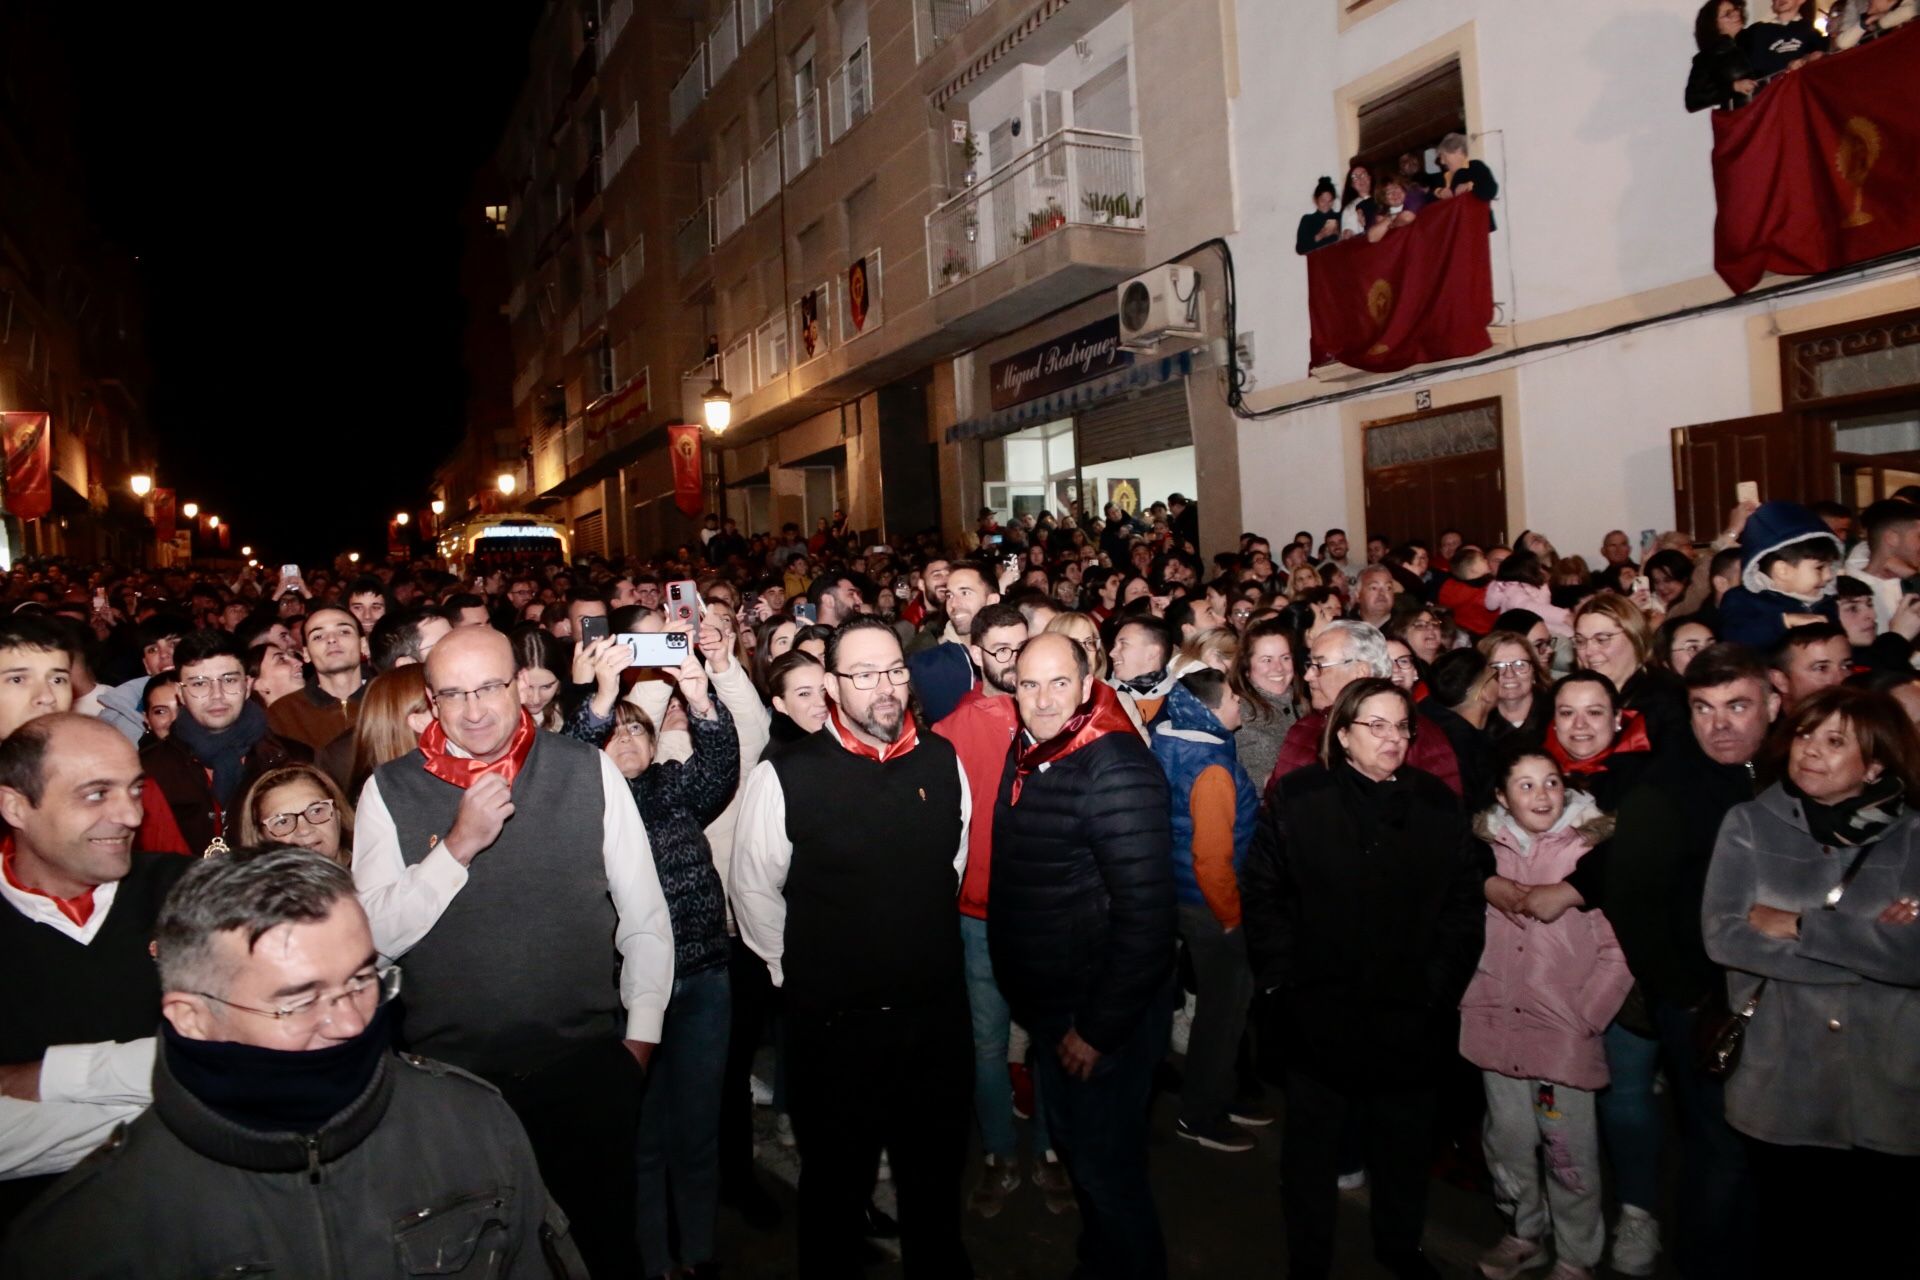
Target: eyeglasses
{"points": [[308, 1012], [1403, 664], [460, 697], [1423, 626], [203, 686], [871, 679], [1386, 730], [317, 814], [1597, 640], [1320, 665], [1512, 664], [1542, 647], [629, 733], [1001, 653]]}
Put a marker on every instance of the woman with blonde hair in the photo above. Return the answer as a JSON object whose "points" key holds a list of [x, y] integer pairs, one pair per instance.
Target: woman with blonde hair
{"points": [[1215, 647], [393, 715], [1082, 628], [1612, 635], [297, 805]]}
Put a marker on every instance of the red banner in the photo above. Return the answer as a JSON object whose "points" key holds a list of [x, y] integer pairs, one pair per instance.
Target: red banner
{"points": [[29, 445], [161, 502], [1424, 293], [627, 405], [689, 484], [1818, 172]]}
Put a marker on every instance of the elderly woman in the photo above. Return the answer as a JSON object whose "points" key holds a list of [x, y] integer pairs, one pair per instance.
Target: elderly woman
{"points": [[301, 806], [1811, 905], [1611, 635], [1371, 1027]]}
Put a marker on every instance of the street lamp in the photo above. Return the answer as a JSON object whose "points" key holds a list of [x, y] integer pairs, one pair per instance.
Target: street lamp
{"points": [[507, 483], [353, 557], [213, 522], [401, 518], [246, 551], [142, 485], [717, 406], [439, 507], [190, 510]]}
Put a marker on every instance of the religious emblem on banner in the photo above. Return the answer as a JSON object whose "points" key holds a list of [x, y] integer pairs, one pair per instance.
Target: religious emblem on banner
{"points": [[810, 322], [683, 448], [857, 299], [1853, 159]]}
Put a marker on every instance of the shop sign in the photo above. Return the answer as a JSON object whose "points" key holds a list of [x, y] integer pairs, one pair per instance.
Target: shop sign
{"points": [[1086, 353]]}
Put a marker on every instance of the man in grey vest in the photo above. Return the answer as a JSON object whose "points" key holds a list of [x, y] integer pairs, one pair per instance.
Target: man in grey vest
{"points": [[510, 868]]}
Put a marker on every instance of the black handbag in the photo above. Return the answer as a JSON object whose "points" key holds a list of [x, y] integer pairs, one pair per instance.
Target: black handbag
{"points": [[1722, 1052]]}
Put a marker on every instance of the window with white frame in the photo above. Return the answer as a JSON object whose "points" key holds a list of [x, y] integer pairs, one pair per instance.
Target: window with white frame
{"points": [[737, 367], [770, 347]]}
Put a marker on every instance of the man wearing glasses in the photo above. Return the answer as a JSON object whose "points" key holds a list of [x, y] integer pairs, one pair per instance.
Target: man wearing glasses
{"points": [[220, 743], [510, 870], [285, 1135], [847, 858]]}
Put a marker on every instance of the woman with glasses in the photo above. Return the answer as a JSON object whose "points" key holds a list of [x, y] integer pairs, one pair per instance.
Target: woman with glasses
{"points": [[1363, 901], [301, 806], [1267, 676], [1612, 636], [1084, 631], [1520, 677], [1678, 642]]}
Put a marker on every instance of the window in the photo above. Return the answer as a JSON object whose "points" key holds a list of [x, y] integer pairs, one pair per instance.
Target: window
{"points": [[770, 346], [1105, 101], [1413, 117], [497, 215], [603, 372]]}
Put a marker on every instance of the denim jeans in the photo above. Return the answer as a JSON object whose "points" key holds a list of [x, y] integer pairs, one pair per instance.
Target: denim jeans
{"points": [[1224, 991], [1630, 1119], [1716, 1221], [1099, 1129], [679, 1147], [992, 1089]]}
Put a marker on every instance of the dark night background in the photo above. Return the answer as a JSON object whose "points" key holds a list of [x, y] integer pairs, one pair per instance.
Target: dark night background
{"points": [[293, 180]]}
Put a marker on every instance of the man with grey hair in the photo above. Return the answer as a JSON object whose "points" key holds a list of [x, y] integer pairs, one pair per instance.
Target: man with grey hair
{"points": [[285, 1134], [1342, 653], [510, 869], [1373, 597]]}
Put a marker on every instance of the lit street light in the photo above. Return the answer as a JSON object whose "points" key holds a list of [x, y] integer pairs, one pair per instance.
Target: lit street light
{"points": [[246, 551], [507, 483], [353, 557], [439, 507], [213, 522], [141, 485], [717, 406], [401, 518], [190, 510]]}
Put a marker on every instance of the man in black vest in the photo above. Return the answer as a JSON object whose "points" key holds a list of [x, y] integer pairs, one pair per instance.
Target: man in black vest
{"points": [[77, 907], [846, 866], [1082, 938], [509, 868]]}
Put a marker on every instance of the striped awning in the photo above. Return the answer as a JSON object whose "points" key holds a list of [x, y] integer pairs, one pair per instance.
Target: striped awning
{"points": [[1050, 408]]}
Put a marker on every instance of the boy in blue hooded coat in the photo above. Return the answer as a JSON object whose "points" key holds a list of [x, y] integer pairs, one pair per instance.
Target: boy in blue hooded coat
{"points": [[1788, 558]]}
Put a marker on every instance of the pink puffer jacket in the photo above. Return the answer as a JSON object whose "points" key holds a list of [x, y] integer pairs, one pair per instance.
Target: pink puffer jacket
{"points": [[1502, 596], [1543, 993]]}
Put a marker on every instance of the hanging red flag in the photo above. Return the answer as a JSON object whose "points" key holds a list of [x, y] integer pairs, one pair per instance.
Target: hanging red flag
{"points": [[1817, 172], [163, 514], [1424, 293], [689, 484], [29, 445]]}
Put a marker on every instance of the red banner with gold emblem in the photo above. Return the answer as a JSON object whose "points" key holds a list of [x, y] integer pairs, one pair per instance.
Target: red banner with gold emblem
{"points": [[1423, 293], [689, 484], [1818, 171], [29, 447]]}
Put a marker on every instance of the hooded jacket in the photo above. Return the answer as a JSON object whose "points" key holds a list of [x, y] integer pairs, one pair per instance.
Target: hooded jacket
{"points": [[1543, 993], [1752, 613], [1214, 805], [1468, 603]]}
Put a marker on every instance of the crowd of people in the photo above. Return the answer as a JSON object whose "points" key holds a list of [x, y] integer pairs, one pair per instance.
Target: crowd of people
{"points": [[1375, 205], [1455, 859], [1736, 59]]}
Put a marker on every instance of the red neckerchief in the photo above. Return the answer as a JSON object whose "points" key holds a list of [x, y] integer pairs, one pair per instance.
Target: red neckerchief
{"points": [[1631, 738], [1097, 717], [464, 771], [79, 910], [909, 737]]}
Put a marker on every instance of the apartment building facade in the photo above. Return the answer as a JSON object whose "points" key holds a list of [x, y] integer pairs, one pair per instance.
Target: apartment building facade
{"points": [[1626, 385], [874, 222]]}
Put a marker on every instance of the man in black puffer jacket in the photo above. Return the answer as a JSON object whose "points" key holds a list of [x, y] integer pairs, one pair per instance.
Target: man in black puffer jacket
{"points": [[1082, 939]]}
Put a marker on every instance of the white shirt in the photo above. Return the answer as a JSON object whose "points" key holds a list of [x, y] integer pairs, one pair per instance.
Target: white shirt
{"points": [[40, 909], [762, 853], [86, 1092], [404, 902]]}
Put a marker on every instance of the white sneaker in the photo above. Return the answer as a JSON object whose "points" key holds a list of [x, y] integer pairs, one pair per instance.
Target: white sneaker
{"points": [[783, 1130], [1636, 1242], [762, 1092], [1353, 1181]]}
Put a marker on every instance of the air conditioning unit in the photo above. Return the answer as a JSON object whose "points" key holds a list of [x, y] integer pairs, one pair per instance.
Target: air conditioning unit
{"points": [[1164, 303]]}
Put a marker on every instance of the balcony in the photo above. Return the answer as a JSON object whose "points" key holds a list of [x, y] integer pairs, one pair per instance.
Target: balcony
{"points": [[803, 135], [723, 45], [626, 139], [938, 21], [694, 240], [753, 16], [730, 207], [688, 90], [763, 174], [617, 15], [1058, 223], [626, 270], [850, 92]]}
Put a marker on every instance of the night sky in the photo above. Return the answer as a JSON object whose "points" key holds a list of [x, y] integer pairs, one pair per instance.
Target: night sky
{"points": [[292, 178]]}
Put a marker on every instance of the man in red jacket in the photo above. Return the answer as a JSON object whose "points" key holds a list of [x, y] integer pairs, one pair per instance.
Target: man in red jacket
{"points": [[982, 729], [1339, 655]]}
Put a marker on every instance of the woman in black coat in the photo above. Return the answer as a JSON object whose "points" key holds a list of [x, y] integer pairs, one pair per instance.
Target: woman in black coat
{"points": [[1321, 227], [1719, 77], [1363, 899]]}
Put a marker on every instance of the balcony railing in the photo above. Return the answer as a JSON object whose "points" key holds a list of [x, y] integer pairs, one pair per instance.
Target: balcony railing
{"points": [[688, 90], [945, 19], [737, 367], [753, 16], [730, 206], [723, 45], [763, 174], [803, 135], [694, 240], [617, 15], [626, 139], [850, 92], [626, 270], [570, 330], [770, 346], [1075, 176], [528, 379]]}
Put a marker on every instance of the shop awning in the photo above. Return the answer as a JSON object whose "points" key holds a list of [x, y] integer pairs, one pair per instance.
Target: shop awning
{"points": [[1061, 404]]}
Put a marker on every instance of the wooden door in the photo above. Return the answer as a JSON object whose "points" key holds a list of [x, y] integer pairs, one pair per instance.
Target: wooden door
{"points": [[1420, 499], [1711, 459]]}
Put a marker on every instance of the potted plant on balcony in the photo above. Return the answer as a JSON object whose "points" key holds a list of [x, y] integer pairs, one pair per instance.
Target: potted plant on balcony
{"points": [[1101, 206], [970, 153], [954, 267], [1128, 210]]}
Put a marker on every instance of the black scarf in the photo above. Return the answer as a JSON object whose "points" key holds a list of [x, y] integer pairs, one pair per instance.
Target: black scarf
{"points": [[1154, 684], [1854, 822], [278, 1090], [224, 750]]}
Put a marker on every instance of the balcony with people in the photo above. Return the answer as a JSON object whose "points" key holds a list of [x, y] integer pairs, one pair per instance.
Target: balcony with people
{"points": [[1815, 124]]}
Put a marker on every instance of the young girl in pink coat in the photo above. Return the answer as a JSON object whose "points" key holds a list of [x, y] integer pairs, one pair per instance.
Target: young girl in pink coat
{"points": [[1545, 990]]}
